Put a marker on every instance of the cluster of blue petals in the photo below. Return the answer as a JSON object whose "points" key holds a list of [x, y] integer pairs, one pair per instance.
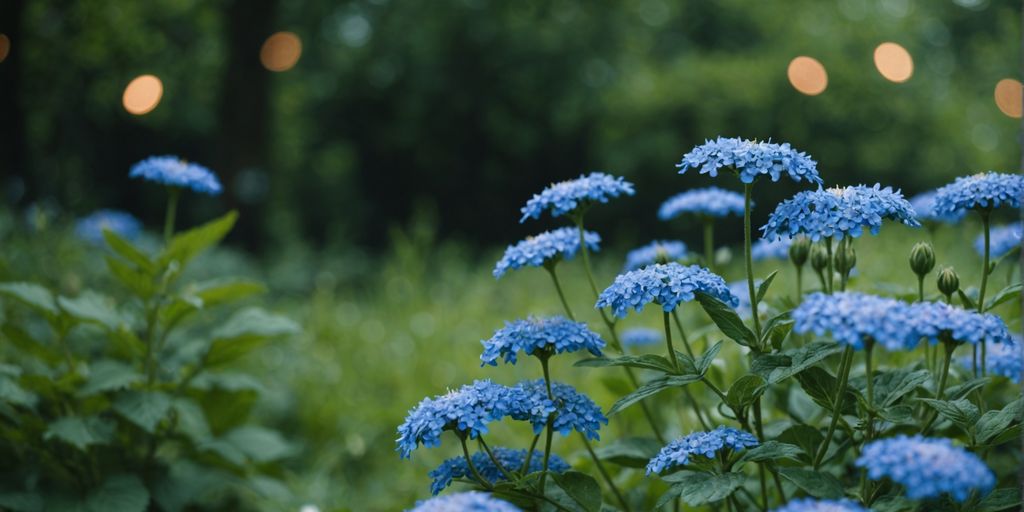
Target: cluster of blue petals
{"points": [[471, 501], [568, 196], [1006, 359], [1002, 240], [838, 212], [852, 318], [711, 201], [175, 172], [511, 460], [924, 208], [665, 284], [926, 467], [555, 334], [987, 190], [640, 336], [467, 410], [750, 159], [765, 249], [549, 246], [573, 410], [90, 228], [813, 505], [938, 321], [706, 444], [658, 251]]}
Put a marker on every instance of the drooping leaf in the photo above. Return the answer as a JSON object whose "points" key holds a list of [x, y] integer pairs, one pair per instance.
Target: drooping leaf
{"points": [[108, 375], [1004, 295], [771, 451], [700, 488], [143, 408], [727, 320], [32, 295], [80, 432], [124, 493], [650, 389], [815, 483], [633, 452]]}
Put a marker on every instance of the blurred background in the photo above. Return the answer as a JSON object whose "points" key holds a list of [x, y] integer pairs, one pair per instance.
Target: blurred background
{"points": [[380, 150]]}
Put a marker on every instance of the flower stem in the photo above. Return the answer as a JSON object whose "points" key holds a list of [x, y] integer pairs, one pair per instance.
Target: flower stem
{"points": [[561, 295], [497, 464], [837, 411], [831, 272], [604, 473], [593, 285], [709, 243], [668, 341], [759, 430], [682, 333], [550, 423], [920, 288], [686, 391], [747, 187], [172, 211], [950, 347], [529, 455], [472, 467], [799, 281], [984, 278]]}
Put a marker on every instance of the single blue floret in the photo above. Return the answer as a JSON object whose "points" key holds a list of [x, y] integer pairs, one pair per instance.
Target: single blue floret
{"points": [[924, 208], [658, 251], [568, 197], [466, 411], [573, 410], [510, 459], [838, 212], [926, 467], [546, 248], [1002, 239], [1005, 359], [552, 335], [704, 444], [471, 501], [982, 191], [640, 336], [667, 285], [765, 249], [750, 159], [813, 505], [711, 202], [938, 321], [175, 172], [853, 318], [90, 228]]}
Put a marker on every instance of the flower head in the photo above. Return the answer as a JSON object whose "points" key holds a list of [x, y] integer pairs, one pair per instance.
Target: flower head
{"points": [[1005, 359], [765, 249], [175, 172], [471, 501], [573, 410], [813, 505], [555, 335], [1002, 240], [924, 208], [638, 336], [750, 159], [511, 460], [939, 321], [838, 212], [466, 411], [658, 251], [547, 247], [90, 228], [567, 197], [665, 284], [853, 318], [704, 444], [982, 191], [710, 201], [926, 467]]}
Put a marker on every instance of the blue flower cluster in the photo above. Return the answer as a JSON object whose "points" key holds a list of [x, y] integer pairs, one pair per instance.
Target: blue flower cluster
{"points": [[667, 285], [926, 467], [471, 501], [1006, 359], [555, 335], [813, 505], [924, 208], [569, 196], [852, 318], [90, 228], [640, 336], [547, 247], [1002, 240], [467, 410], [838, 212], [711, 201], [750, 159], [573, 410], [657, 251], [765, 249], [987, 190], [511, 460], [175, 172], [706, 444], [937, 321]]}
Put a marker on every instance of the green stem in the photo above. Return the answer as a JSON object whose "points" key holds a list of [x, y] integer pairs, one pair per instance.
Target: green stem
{"points": [[604, 473], [529, 455], [920, 288], [984, 279], [558, 288], [550, 425], [668, 341], [593, 285], [868, 350], [686, 391], [950, 347], [799, 281], [682, 333], [709, 243], [172, 210], [831, 271], [472, 467], [497, 464], [837, 411], [747, 187], [759, 430]]}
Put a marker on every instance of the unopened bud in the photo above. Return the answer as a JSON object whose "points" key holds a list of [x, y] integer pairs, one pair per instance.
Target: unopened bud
{"points": [[846, 258], [799, 250], [948, 282], [922, 258], [819, 257]]}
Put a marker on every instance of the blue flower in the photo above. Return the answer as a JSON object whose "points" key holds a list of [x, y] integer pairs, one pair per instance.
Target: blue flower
{"points": [[658, 251], [175, 172], [926, 467], [665, 284], [751, 159], [555, 335], [853, 318], [704, 444], [982, 191], [924, 208], [1006, 359], [838, 212], [638, 336], [813, 505], [547, 247], [571, 196], [711, 201], [472, 501], [765, 249], [510, 459], [90, 228], [1002, 239], [467, 410], [939, 321], [573, 410]]}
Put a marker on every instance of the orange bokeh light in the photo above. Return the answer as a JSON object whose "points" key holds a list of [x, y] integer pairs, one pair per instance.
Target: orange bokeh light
{"points": [[142, 94], [807, 75], [894, 62], [5, 47], [281, 51], [1010, 97]]}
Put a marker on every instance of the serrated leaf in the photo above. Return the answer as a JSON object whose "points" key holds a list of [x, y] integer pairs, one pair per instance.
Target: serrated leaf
{"points": [[700, 488], [961, 412], [143, 408], [107, 375], [188, 244], [124, 493], [727, 320], [961, 390], [645, 361], [993, 423], [633, 452], [808, 438], [93, 308], [898, 414], [745, 391], [258, 444], [32, 295], [762, 289], [1000, 500], [800, 359], [771, 451], [191, 420], [579, 491], [80, 432], [128, 251], [1004, 295], [891, 386], [650, 389], [817, 484]]}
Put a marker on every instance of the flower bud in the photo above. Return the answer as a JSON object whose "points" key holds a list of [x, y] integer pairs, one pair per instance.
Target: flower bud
{"points": [[948, 282], [846, 258], [819, 257], [922, 258], [799, 249]]}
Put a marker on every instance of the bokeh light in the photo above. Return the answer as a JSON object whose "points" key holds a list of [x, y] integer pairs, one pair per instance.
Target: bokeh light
{"points": [[894, 62], [281, 51], [142, 94], [5, 46], [1010, 97], [807, 75]]}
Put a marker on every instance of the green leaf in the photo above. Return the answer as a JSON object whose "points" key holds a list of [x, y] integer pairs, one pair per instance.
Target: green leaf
{"points": [[776, 334], [898, 414], [771, 451], [107, 375], [1000, 500], [143, 408], [28, 345], [745, 391], [650, 389], [993, 423], [964, 389], [727, 320], [126, 250], [80, 432], [815, 483], [124, 493], [633, 452], [819, 385], [893, 504], [212, 293], [188, 244], [579, 491], [21, 501], [92, 308], [132, 278], [32, 295], [704, 362], [1004, 295], [967, 301], [227, 381], [776, 370], [961, 412], [244, 331], [891, 386], [762, 289], [12, 393], [806, 437], [701, 488], [191, 420], [259, 444], [645, 361]]}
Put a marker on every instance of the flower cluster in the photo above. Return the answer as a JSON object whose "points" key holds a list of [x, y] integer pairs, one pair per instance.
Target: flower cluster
{"points": [[924, 208], [813, 505], [1002, 240], [467, 410], [938, 321], [90, 228], [545, 248], [838, 212], [750, 159], [640, 336], [711, 202], [175, 172], [471, 501], [982, 191], [573, 410], [667, 285], [765, 249], [853, 318], [658, 251], [554, 335], [511, 460], [706, 444], [1006, 359], [926, 467], [569, 196]]}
